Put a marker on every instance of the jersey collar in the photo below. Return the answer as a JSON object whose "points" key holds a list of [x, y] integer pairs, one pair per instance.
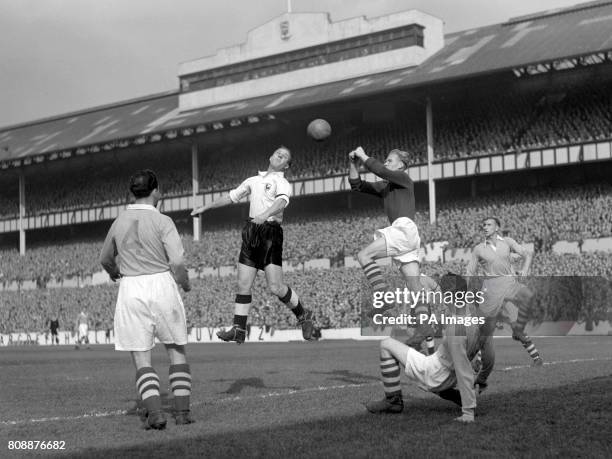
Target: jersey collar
{"points": [[265, 173], [141, 207], [488, 243]]}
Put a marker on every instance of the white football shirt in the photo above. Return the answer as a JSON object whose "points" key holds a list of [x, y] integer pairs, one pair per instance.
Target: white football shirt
{"points": [[263, 190]]}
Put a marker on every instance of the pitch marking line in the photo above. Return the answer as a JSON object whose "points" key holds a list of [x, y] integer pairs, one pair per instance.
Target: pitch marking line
{"points": [[558, 362], [106, 414]]}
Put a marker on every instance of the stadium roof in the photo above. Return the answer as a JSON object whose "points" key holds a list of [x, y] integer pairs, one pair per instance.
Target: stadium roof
{"points": [[544, 37]]}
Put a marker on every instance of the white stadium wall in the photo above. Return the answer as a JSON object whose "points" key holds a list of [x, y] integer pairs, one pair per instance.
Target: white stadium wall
{"points": [[303, 30]]}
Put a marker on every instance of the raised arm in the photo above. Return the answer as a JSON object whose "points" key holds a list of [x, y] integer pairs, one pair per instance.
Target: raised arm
{"points": [[399, 177], [357, 184]]}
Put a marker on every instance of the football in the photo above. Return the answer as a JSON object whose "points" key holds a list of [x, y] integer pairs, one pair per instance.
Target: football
{"points": [[319, 129]]}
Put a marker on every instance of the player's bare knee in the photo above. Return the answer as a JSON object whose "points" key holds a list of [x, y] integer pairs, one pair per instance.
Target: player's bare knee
{"points": [[277, 288], [364, 257], [385, 344]]}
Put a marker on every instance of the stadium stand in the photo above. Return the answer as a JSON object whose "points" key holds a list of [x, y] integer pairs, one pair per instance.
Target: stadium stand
{"points": [[488, 125], [541, 215], [335, 300]]}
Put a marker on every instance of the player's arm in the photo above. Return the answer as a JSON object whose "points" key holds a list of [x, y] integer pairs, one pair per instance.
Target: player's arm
{"points": [[176, 254], [525, 253], [472, 268], [464, 373], [108, 255], [355, 179], [283, 192], [234, 196], [276, 207], [221, 202], [376, 167]]}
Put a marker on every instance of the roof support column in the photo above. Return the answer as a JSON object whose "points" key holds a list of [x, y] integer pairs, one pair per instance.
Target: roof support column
{"points": [[22, 204], [430, 158], [195, 188]]}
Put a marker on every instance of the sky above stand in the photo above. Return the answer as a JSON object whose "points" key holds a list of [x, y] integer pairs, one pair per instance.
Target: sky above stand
{"points": [[59, 56]]}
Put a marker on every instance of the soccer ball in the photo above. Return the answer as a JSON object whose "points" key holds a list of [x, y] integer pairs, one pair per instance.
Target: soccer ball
{"points": [[319, 129]]}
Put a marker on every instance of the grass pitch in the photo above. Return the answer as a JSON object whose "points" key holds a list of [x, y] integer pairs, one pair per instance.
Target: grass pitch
{"points": [[306, 400]]}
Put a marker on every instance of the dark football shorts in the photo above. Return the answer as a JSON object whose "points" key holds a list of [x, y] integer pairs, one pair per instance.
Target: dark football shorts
{"points": [[262, 245]]}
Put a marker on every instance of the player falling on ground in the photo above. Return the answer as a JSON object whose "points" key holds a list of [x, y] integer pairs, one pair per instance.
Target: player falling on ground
{"points": [[447, 372], [401, 240], [149, 305], [262, 244], [82, 327], [502, 293]]}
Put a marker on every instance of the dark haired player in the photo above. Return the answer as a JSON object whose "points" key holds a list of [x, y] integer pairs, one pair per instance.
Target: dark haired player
{"points": [[262, 244], [150, 265], [401, 240], [503, 296]]}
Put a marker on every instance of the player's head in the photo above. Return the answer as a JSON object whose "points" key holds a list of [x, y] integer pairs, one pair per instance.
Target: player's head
{"points": [[397, 160], [280, 159], [143, 185], [490, 226]]}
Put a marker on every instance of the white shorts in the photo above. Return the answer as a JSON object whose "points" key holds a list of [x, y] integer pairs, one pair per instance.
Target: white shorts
{"points": [[149, 306], [402, 239], [427, 371], [83, 330]]}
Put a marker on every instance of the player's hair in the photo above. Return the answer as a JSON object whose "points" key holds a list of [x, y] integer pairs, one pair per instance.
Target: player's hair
{"points": [[402, 155], [290, 154], [495, 219], [142, 183]]}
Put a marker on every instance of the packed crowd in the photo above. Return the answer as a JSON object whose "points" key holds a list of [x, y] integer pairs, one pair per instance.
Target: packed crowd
{"points": [[541, 215], [461, 128], [334, 295]]}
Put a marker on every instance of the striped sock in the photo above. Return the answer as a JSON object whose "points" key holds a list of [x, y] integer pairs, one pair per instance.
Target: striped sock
{"points": [[375, 277], [292, 300], [180, 382], [147, 384], [431, 345], [242, 307], [523, 317], [530, 348], [390, 371]]}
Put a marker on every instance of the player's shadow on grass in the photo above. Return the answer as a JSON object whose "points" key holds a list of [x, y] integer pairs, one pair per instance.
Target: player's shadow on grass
{"points": [[238, 385], [566, 421], [346, 376]]}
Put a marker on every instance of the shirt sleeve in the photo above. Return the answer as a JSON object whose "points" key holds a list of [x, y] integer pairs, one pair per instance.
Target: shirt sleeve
{"points": [[172, 243], [516, 247], [242, 191], [362, 186], [109, 252], [283, 190], [398, 177]]}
